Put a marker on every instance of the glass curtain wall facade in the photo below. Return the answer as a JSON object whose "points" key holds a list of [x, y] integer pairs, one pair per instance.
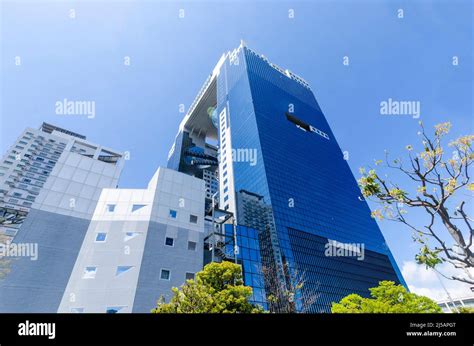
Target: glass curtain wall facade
{"points": [[309, 191], [249, 257]]}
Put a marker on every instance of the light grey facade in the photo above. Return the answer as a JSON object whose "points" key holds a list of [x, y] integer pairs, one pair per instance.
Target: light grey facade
{"points": [[140, 244], [156, 255], [38, 285], [65, 174], [53, 169]]}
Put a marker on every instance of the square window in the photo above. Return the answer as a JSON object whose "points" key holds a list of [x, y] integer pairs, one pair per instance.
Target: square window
{"points": [[89, 272], [110, 208], [189, 276], [192, 245], [193, 219], [100, 237], [165, 274], [169, 241], [173, 213]]}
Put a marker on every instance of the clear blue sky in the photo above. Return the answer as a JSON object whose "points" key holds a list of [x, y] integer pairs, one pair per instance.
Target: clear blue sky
{"points": [[137, 105]]}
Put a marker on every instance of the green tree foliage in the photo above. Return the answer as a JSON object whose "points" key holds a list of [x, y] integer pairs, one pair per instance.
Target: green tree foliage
{"points": [[218, 288], [466, 310], [386, 298], [435, 180]]}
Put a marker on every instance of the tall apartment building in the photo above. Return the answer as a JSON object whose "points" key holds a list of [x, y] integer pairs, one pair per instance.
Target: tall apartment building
{"points": [[28, 164], [50, 184], [279, 157]]}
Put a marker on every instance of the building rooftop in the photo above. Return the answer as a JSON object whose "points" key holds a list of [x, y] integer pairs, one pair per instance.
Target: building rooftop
{"points": [[48, 128], [197, 119]]}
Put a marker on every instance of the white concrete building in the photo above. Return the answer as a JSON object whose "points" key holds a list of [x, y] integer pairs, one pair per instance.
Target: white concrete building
{"points": [[452, 305], [139, 244]]}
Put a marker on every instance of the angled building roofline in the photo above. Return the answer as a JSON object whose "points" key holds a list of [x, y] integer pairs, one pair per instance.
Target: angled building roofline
{"points": [[48, 128]]}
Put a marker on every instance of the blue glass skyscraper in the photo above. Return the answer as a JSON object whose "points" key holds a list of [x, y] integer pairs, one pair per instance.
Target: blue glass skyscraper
{"points": [[281, 172]]}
